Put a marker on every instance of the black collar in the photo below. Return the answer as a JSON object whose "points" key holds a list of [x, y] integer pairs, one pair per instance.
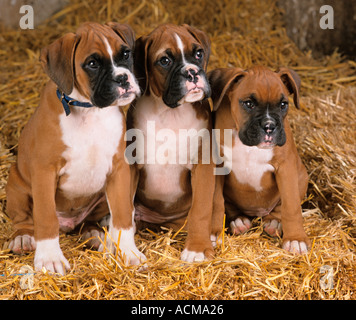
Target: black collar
{"points": [[68, 101]]}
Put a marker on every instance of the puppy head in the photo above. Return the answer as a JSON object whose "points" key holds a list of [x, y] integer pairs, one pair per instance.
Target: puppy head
{"points": [[171, 62], [95, 64], [259, 101]]}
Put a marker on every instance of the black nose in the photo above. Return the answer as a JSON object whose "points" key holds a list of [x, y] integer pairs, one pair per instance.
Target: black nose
{"points": [[268, 126], [121, 80], [191, 75]]}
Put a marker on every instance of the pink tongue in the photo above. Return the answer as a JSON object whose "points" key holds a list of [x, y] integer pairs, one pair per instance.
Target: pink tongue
{"points": [[268, 138]]}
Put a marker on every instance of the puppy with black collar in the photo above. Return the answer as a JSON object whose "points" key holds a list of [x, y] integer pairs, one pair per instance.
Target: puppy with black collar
{"points": [[71, 166]]}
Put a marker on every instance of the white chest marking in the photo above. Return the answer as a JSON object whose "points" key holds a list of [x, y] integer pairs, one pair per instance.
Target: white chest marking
{"points": [[92, 137], [248, 164], [164, 155]]}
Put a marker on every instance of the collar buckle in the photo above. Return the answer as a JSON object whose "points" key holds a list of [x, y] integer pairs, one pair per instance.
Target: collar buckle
{"points": [[69, 102]]}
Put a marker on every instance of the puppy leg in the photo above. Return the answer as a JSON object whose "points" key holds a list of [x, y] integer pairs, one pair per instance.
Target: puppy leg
{"points": [[294, 237], [19, 209], [217, 218], [198, 245], [48, 253], [121, 226]]}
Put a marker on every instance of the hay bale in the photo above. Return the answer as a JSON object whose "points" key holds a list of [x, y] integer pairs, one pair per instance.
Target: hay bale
{"points": [[250, 266]]}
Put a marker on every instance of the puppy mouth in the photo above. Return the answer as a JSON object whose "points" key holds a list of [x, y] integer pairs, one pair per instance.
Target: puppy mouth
{"points": [[196, 90], [194, 94], [125, 96], [267, 142]]}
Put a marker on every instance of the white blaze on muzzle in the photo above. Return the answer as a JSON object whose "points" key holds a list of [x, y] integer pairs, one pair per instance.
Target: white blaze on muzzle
{"points": [[123, 73]]}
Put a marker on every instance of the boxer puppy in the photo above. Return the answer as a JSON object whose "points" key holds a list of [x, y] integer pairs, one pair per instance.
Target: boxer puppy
{"points": [[174, 183], [266, 176], [70, 165]]}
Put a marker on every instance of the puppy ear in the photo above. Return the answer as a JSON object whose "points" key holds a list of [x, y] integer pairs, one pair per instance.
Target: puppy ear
{"points": [[142, 45], [57, 60], [124, 31], [221, 80], [292, 82], [202, 38]]}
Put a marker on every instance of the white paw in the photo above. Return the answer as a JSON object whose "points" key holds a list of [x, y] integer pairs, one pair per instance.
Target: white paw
{"points": [[192, 256], [240, 225], [132, 256], [23, 243], [298, 247], [49, 255], [128, 251], [215, 240]]}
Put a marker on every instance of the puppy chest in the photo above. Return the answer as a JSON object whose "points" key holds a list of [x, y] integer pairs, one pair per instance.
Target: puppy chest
{"points": [[248, 164], [92, 139], [171, 136], [164, 182]]}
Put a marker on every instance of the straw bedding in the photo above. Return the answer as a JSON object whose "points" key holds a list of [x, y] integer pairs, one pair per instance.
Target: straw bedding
{"points": [[250, 266]]}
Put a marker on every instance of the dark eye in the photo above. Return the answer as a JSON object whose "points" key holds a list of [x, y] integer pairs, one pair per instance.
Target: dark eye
{"points": [[284, 105], [165, 61], [92, 64], [199, 54], [126, 54], [248, 104]]}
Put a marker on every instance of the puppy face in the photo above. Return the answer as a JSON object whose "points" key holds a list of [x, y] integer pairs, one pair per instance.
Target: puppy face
{"points": [[259, 102], [262, 102], [95, 64], [171, 62]]}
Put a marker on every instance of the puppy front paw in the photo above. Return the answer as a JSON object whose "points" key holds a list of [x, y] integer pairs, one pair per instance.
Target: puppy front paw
{"points": [[127, 250], [190, 255], [49, 255]]}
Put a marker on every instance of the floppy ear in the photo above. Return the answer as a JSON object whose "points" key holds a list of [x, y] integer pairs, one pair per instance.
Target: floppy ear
{"points": [[57, 60], [124, 31], [202, 38], [292, 82], [142, 45], [221, 80]]}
